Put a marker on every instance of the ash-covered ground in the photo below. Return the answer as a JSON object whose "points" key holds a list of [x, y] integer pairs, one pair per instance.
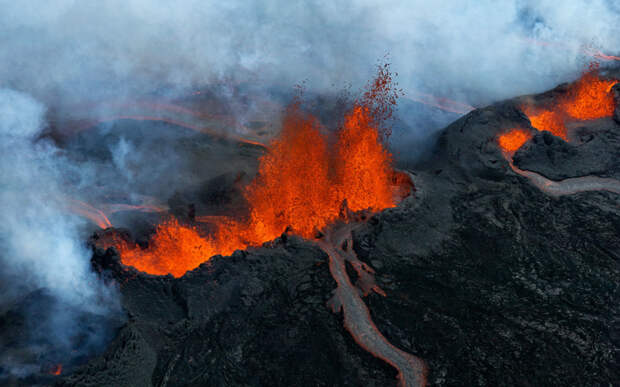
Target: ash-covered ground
{"points": [[487, 278]]}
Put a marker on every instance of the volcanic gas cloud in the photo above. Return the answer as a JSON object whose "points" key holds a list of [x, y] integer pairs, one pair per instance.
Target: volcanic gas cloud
{"points": [[305, 178]]}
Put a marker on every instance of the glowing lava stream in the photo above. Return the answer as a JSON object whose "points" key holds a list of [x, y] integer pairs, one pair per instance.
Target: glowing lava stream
{"points": [[412, 370], [568, 186]]}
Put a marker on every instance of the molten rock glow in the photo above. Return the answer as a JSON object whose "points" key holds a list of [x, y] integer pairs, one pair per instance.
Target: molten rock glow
{"points": [[587, 99], [173, 248], [513, 140], [301, 185]]}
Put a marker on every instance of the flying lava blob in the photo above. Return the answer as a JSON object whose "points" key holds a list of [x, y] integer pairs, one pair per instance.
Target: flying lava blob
{"points": [[304, 180]]}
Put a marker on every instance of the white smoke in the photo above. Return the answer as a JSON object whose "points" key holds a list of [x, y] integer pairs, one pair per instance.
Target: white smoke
{"points": [[474, 51], [40, 246]]}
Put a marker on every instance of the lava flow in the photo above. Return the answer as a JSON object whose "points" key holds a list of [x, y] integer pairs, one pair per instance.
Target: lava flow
{"points": [[303, 180], [338, 244], [587, 99], [306, 182], [86, 210]]}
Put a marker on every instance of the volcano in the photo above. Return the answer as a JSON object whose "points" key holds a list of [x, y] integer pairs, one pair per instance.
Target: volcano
{"points": [[494, 261]]}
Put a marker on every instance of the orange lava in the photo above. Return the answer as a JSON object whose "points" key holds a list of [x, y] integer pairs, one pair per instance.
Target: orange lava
{"points": [[55, 370], [363, 167], [590, 98], [587, 99], [513, 140], [172, 249], [293, 186], [303, 180]]}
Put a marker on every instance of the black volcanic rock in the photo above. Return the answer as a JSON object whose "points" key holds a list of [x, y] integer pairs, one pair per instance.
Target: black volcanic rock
{"points": [[616, 91], [491, 281], [593, 152], [256, 318]]}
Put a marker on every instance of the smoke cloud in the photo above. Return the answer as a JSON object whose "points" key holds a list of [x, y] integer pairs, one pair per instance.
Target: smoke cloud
{"points": [[472, 51], [41, 248], [67, 52]]}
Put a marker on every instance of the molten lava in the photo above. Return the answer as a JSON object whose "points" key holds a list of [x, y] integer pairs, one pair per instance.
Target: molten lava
{"points": [[590, 98], [587, 99], [55, 370], [293, 185], [303, 182], [173, 249], [513, 140], [363, 166]]}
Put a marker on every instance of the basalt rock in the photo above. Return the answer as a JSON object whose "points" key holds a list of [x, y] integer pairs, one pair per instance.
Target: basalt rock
{"points": [[593, 152]]}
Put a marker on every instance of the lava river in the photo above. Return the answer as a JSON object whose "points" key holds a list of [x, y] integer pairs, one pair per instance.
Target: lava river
{"points": [[338, 245]]}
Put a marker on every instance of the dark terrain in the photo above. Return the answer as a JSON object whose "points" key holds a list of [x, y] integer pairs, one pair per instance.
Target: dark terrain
{"points": [[488, 279]]}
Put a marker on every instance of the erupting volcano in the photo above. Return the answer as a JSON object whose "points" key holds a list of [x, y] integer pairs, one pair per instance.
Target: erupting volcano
{"points": [[305, 178], [217, 194]]}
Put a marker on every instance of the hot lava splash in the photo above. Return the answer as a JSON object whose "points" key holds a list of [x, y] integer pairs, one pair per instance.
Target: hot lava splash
{"points": [[304, 178]]}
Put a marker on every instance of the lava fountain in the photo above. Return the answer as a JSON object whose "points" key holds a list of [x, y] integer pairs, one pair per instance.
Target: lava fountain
{"points": [[309, 180], [587, 99], [305, 176]]}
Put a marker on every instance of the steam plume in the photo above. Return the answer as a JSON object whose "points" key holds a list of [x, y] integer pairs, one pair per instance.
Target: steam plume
{"points": [[40, 246]]}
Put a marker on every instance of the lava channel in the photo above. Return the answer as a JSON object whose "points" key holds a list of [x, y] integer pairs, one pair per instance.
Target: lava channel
{"points": [[569, 186], [412, 370]]}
